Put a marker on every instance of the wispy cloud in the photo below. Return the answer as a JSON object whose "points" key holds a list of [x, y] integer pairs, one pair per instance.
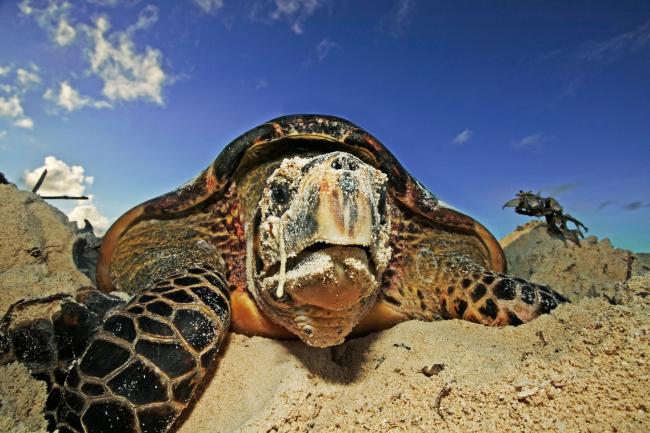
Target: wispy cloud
{"points": [[24, 122], [532, 141], [463, 136], [627, 42], [396, 21], [635, 205], [127, 72], [69, 99], [295, 12], [53, 18], [209, 6], [110, 3], [64, 33], [11, 105], [605, 204], [564, 187], [324, 48], [3, 134], [577, 67], [5, 70], [261, 84], [12, 109], [27, 78]]}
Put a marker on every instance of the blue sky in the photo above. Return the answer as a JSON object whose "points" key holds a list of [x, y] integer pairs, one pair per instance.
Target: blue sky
{"points": [[130, 99]]}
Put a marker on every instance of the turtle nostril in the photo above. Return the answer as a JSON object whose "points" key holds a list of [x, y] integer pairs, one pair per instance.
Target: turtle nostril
{"points": [[336, 164]]}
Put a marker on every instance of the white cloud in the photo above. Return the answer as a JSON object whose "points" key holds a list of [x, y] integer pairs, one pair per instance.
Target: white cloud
{"points": [[3, 134], [533, 141], [25, 123], [65, 33], [86, 209], [61, 179], [12, 108], [4, 70], [53, 18], [324, 48], [295, 12], [27, 78], [6, 88], [127, 74], [209, 6], [70, 99], [463, 136]]}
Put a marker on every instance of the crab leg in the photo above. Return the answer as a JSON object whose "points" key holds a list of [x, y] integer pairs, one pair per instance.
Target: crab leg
{"points": [[143, 367]]}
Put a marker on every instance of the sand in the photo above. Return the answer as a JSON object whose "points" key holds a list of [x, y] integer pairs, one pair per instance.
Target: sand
{"points": [[583, 368]]}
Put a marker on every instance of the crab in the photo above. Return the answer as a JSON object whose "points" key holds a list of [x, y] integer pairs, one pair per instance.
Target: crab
{"points": [[528, 203], [304, 227]]}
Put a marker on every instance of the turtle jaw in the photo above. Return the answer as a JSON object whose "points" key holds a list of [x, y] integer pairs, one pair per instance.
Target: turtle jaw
{"points": [[320, 245]]}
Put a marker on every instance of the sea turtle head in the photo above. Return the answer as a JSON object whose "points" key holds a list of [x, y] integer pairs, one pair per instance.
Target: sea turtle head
{"points": [[319, 244]]}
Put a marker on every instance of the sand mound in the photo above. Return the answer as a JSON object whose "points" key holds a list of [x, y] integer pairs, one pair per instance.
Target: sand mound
{"points": [[582, 368], [587, 270]]}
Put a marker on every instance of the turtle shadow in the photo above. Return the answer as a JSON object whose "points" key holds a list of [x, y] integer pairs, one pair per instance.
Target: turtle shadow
{"points": [[337, 364]]}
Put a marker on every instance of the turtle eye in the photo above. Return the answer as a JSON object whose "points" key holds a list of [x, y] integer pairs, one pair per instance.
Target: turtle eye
{"points": [[280, 195]]}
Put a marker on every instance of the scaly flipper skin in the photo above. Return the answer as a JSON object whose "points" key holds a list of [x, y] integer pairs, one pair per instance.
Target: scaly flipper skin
{"points": [[140, 371], [453, 286], [468, 291]]}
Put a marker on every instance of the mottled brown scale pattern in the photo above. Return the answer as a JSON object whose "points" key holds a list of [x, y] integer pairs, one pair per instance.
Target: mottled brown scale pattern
{"points": [[410, 285], [224, 228], [436, 276], [143, 367]]}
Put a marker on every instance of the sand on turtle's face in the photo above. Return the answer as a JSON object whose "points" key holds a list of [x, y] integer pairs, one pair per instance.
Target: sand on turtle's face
{"points": [[331, 287]]}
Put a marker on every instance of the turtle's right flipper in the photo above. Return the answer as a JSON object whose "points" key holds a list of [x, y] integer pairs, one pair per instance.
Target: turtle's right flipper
{"points": [[144, 365]]}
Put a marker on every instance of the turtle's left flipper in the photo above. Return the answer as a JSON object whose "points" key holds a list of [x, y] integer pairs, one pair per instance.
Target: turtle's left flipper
{"points": [[470, 292], [144, 365]]}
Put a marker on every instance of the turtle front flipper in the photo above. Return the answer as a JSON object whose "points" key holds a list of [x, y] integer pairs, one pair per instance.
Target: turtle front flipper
{"points": [[144, 365], [454, 286], [469, 292], [466, 290]]}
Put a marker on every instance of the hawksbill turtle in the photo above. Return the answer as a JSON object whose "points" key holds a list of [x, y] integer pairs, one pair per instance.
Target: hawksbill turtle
{"points": [[307, 227]]}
